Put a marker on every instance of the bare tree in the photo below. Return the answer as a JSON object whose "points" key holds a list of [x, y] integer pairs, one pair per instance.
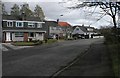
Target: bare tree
{"points": [[110, 8]]}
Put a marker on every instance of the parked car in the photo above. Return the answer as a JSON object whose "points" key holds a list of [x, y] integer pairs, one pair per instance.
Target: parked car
{"points": [[50, 37]]}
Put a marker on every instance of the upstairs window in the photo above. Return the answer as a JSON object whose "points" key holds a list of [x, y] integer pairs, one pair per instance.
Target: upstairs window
{"points": [[31, 25], [77, 29], [9, 24], [89, 29], [19, 24], [39, 25]]}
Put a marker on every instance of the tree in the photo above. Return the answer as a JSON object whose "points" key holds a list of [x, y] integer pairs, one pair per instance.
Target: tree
{"points": [[110, 8], [26, 10], [15, 10], [4, 12], [38, 12]]}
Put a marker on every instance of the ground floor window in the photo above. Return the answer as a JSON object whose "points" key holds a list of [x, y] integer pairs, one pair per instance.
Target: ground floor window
{"points": [[19, 34], [31, 34]]}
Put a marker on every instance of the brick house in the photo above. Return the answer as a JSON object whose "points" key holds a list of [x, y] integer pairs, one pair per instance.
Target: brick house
{"points": [[67, 29], [17, 28]]}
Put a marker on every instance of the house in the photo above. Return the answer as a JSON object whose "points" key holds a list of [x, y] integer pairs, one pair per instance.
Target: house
{"points": [[83, 31], [67, 29], [19, 28], [53, 29]]}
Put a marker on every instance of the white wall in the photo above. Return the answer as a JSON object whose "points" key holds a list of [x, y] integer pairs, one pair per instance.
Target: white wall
{"points": [[39, 36], [75, 31]]}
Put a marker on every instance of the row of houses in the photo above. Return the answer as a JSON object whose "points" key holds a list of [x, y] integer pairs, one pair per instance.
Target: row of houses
{"points": [[17, 28]]}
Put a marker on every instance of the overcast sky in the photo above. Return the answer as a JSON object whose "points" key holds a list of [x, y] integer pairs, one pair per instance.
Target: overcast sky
{"points": [[53, 10]]}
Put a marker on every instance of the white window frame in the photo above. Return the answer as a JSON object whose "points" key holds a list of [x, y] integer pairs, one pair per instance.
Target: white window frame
{"points": [[31, 25], [8, 24], [89, 29], [39, 25], [19, 34], [19, 22]]}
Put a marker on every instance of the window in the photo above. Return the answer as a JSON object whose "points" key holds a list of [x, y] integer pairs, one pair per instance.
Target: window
{"points": [[31, 25], [19, 24], [89, 29], [77, 29], [19, 34], [53, 28], [9, 24], [31, 34], [39, 25]]}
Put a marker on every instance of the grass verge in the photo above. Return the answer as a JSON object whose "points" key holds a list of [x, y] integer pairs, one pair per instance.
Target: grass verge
{"points": [[114, 53], [25, 43], [49, 41]]}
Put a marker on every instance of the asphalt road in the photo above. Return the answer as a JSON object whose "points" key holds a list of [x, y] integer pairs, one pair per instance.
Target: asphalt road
{"points": [[95, 63], [43, 60]]}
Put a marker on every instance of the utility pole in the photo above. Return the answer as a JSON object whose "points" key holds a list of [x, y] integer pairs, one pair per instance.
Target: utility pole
{"points": [[0, 38], [0, 21]]}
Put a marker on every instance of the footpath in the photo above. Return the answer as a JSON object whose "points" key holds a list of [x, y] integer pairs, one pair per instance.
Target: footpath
{"points": [[94, 63]]}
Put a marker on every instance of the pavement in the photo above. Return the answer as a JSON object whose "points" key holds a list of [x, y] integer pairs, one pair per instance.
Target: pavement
{"points": [[94, 63], [59, 59]]}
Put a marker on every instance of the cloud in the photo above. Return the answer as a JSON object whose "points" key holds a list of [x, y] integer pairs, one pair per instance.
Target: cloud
{"points": [[53, 10], [31, 0]]}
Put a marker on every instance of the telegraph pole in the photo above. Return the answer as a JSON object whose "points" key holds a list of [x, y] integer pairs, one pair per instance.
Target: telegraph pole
{"points": [[0, 38], [0, 21]]}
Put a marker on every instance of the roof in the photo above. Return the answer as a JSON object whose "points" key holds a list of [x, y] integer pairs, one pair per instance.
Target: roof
{"points": [[64, 24], [51, 23], [84, 28], [11, 17]]}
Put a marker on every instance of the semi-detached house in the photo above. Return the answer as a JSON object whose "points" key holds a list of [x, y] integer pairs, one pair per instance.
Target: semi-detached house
{"points": [[17, 28]]}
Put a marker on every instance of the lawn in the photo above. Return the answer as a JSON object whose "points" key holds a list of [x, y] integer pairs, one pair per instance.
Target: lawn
{"points": [[49, 41], [23, 43]]}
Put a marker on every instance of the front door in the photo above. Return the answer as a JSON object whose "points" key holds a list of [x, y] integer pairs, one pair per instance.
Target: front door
{"points": [[8, 36]]}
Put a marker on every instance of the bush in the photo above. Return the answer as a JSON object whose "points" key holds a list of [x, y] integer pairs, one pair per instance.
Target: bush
{"points": [[34, 41], [38, 42]]}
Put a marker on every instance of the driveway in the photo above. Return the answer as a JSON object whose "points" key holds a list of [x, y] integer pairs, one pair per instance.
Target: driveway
{"points": [[43, 60], [9, 46]]}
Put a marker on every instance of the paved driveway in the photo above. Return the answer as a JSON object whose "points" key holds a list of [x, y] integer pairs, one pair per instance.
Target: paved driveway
{"points": [[9, 46], [43, 60]]}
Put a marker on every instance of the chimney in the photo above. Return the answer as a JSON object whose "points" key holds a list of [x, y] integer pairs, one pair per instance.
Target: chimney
{"points": [[23, 15], [57, 20]]}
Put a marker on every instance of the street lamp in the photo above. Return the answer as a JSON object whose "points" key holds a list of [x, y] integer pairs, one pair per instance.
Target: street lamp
{"points": [[58, 24]]}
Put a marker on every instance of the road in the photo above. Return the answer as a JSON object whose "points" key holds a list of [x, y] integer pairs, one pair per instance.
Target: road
{"points": [[43, 60]]}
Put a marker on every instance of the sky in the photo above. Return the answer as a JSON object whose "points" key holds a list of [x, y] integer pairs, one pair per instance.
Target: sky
{"points": [[54, 9]]}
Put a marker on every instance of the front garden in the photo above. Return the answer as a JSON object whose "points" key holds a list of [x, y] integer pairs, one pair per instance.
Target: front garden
{"points": [[35, 42]]}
